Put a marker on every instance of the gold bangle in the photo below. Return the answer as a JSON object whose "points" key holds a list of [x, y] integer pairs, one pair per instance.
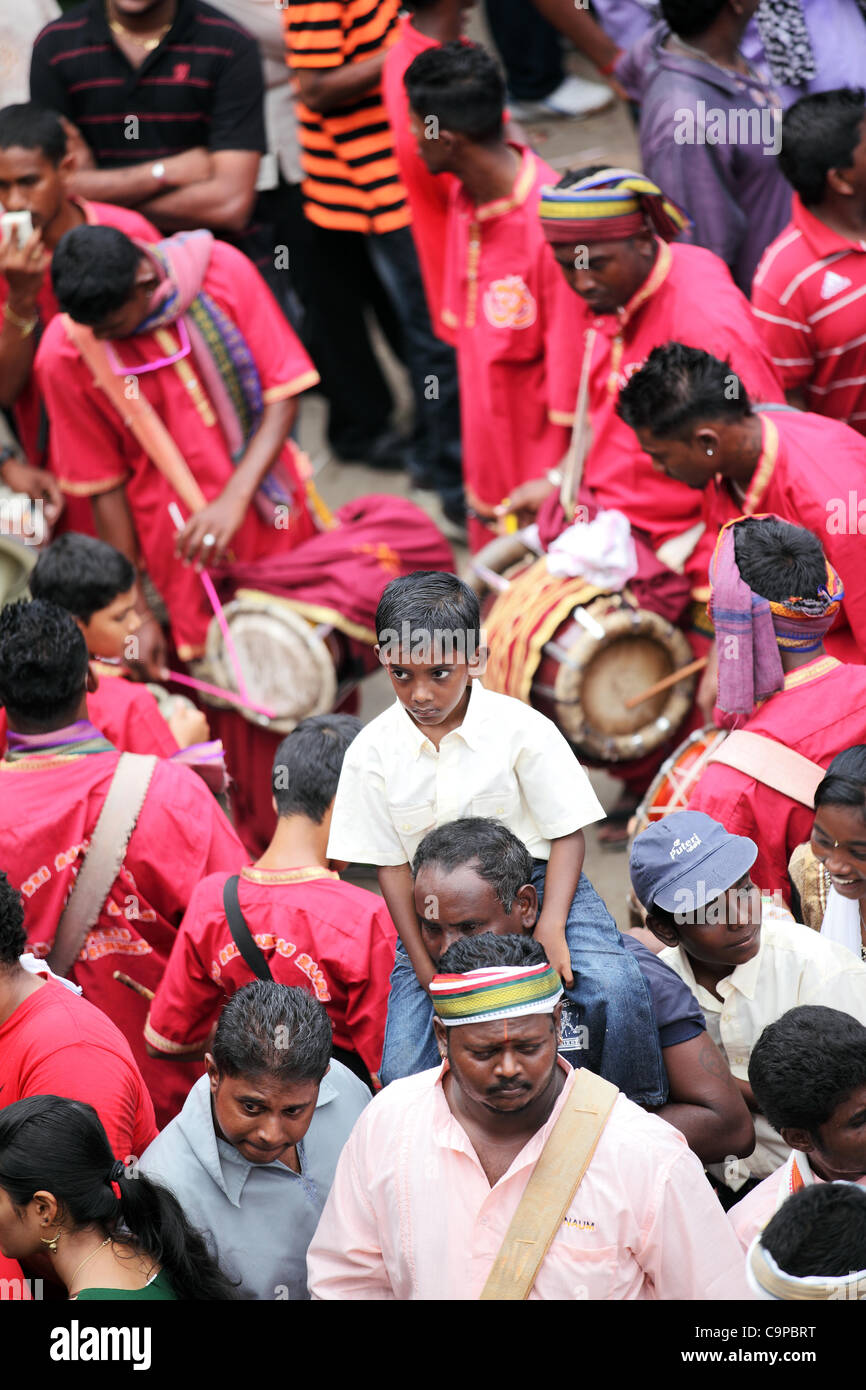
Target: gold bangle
{"points": [[24, 326]]}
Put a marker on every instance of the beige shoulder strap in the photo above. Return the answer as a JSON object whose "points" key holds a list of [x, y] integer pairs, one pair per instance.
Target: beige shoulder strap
{"points": [[104, 857], [555, 1178], [771, 763]]}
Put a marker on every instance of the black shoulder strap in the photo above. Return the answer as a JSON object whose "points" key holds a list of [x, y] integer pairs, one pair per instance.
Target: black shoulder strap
{"points": [[241, 934]]}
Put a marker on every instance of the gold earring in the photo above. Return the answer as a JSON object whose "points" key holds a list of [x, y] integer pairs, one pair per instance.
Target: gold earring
{"points": [[52, 1244]]}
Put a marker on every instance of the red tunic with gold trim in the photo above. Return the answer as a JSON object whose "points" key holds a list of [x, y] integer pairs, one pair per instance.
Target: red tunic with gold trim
{"points": [[820, 711], [500, 283], [92, 452], [688, 297], [328, 937], [812, 472], [49, 804]]}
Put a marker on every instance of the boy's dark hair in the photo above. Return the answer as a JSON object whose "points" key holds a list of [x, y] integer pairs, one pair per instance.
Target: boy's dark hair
{"points": [[93, 272], [81, 574], [489, 949], [27, 126], [821, 132], [307, 764], [461, 85], [779, 561], [43, 663], [689, 17], [820, 1232], [678, 386], [429, 602], [13, 937], [805, 1064], [274, 1030], [844, 782], [484, 845]]}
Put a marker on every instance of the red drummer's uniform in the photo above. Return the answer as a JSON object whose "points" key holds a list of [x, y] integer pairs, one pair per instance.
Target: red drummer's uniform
{"points": [[820, 711], [688, 297], [812, 472], [328, 937], [49, 805], [501, 283], [125, 712], [93, 453], [808, 299]]}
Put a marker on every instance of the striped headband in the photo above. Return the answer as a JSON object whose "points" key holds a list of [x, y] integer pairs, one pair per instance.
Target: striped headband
{"points": [[609, 206], [502, 991]]}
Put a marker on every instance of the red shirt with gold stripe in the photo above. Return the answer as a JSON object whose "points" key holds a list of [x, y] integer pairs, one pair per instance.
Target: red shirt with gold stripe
{"points": [[820, 711], [501, 284], [688, 297], [352, 178], [92, 452], [328, 937], [812, 472]]}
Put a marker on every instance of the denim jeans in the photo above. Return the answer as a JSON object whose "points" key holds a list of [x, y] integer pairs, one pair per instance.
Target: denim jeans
{"points": [[610, 1000]]}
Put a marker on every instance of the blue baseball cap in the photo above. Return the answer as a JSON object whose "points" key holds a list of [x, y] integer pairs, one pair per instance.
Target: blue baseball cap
{"points": [[687, 852]]}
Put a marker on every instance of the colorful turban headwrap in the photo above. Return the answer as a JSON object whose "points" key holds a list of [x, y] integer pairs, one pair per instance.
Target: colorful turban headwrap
{"points": [[609, 206], [750, 630], [503, 991]]}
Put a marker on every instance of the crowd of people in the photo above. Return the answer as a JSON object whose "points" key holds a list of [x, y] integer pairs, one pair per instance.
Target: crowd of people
{"points": [[634, 388]]}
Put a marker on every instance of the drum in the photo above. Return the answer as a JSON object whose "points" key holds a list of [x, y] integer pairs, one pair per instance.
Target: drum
{"points": [[290, 665], [579, 655]]}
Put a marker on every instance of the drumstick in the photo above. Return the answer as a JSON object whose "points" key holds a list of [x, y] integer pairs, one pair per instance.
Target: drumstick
{"points": [[208, 584], [223, 694], [494, 581], [668, 681], [133, 984]]}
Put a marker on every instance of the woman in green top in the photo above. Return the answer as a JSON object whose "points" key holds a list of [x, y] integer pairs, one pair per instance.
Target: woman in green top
{"points": [[110, 1231]]}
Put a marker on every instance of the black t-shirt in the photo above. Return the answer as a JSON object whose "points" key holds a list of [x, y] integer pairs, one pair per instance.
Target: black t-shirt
{"points": [[201, 86]]}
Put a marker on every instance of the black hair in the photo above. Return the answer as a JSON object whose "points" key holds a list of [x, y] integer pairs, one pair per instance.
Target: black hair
{"points": [[81, 574], [844, 782], [460, 85], [307, 764], [43, 663], [13, 937], [487, 846], [489, 949], [678, 386], [28, 126], [429, 604], [51, 1144], [778, 560], [690, 17], [821, 132], [93, 272], [575, 176], [805, 1064], [275, 1030], [819, 1232]]}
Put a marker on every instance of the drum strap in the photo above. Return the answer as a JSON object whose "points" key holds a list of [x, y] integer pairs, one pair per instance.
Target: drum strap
{"points": [[241, 934], [103, 859], [554, 1180], [772, 764], [581, 434]]}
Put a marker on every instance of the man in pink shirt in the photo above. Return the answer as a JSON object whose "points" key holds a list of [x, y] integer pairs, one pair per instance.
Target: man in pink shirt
{"points": [[434, 1170], [808, 1073]]}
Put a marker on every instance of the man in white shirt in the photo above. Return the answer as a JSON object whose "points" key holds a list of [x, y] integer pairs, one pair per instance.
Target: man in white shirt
{"points": [[745, 959]]}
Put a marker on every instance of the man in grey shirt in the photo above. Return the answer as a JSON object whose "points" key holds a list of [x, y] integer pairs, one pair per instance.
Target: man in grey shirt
{"points": [[252, 1154]]}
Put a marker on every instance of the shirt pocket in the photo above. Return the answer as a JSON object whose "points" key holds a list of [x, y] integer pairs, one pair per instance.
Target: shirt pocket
{"points": [[413, 820], [502, 806], [578, 1271]]}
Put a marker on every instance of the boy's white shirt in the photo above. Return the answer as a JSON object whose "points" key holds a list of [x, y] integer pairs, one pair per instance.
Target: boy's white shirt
{"points": [[505, 761], [794, 965]]}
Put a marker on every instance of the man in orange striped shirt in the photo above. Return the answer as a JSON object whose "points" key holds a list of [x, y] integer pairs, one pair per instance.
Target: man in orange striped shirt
{"points": [[352, 190]]}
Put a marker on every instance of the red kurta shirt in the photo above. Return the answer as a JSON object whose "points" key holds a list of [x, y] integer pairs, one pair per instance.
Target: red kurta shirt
{"points": [[428, 194], [809, 471], [808, 300], [48, 809], [501, 281], [331, 938], [56, 1043], [92, 452], [821, 710], [688, 297]]}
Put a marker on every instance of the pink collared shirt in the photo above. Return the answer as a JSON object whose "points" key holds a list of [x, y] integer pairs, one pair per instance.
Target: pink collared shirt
{"points": [[411, 1214]]}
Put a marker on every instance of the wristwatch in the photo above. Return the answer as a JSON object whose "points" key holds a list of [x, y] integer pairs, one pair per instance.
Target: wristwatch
{"points": [[158, 171]]}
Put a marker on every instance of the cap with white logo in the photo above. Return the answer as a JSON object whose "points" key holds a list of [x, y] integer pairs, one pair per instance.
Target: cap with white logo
{"points": [[687, 852]]}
